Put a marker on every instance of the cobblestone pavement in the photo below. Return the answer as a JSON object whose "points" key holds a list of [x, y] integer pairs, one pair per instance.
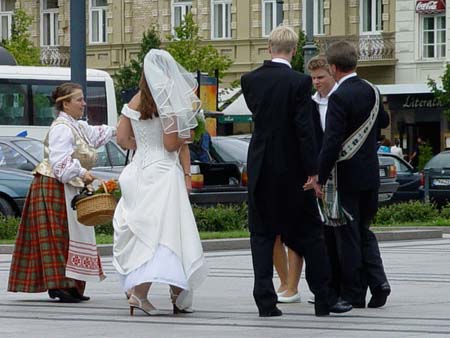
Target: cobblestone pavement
{"points": [[419, 273]]}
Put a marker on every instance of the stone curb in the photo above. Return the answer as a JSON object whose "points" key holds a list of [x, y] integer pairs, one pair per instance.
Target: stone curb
{"points": [[244, 243]]}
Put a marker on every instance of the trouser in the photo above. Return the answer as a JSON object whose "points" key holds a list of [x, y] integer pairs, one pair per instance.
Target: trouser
{"points": [[262, 256], [360, 259]]}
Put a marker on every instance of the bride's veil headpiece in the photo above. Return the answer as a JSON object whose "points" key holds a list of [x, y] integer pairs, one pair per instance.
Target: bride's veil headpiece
{"points": [[173, 90]]}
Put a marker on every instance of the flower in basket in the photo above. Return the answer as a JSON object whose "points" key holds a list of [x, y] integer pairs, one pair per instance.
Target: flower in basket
{"points": [[201, 126], [112, 186]]}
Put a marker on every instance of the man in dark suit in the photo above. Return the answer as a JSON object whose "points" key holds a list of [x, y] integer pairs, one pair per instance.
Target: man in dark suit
{"points": [[357, 178], [282, 159]]}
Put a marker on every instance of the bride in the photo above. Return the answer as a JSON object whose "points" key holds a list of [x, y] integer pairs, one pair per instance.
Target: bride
{"points": [[155, 234]]}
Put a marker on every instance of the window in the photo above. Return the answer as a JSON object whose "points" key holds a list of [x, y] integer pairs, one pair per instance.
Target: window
{"points": [[371, 16], [11, 158], [221, 19], [6, 13], [49, 23], [272, 15], [97, 19], [179, 10], [319, 14], [433, 36]]}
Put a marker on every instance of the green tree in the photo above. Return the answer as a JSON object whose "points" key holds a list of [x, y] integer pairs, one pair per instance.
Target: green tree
{"points": [[298, 60], [442, 94], [187, 48], [127, 76], [20, 45]]}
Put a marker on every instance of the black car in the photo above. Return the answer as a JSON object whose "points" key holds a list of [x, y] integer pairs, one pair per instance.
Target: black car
{"points": [[409, 179], [234, 148], [437, 178]]}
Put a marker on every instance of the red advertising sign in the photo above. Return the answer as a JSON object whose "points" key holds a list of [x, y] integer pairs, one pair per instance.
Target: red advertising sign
{"points": [[430, 6]]}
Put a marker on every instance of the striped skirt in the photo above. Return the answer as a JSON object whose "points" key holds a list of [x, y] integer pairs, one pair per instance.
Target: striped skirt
{"points": [[41, 249]]}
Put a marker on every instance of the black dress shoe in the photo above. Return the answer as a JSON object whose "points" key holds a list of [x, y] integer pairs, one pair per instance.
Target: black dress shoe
{"points": [[75, 293], [63, 295], [379, 296], [324, 310], [359, 305], [274, 313]]}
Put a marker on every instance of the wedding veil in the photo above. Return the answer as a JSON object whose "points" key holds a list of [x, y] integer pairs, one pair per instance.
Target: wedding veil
{"points": [[173, 90]]}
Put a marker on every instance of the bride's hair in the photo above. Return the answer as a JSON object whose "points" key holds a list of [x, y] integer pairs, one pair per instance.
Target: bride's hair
{"points": [[147, 106]]}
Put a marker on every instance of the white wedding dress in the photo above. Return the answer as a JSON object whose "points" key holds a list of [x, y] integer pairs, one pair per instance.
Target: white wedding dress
{"points": [[155, 234]]}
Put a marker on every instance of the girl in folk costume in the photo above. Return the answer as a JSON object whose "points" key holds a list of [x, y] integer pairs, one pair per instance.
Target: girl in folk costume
{"points": [[155, 234], [53, 251]]}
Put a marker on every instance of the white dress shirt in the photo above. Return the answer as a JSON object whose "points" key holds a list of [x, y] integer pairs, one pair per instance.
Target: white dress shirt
{"points": [[280, 60], [322, 103]]}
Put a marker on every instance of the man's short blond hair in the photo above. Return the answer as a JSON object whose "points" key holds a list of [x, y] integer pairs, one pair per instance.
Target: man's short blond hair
{"points": [[283, 39], [319, 62]]}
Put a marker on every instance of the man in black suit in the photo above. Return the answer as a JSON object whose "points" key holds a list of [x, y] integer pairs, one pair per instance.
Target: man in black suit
{"points": [[349, 107], [282, 159]]}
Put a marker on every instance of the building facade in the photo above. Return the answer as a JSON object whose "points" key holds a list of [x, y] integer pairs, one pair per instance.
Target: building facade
{"points": [[237, 28], [422, 52]]}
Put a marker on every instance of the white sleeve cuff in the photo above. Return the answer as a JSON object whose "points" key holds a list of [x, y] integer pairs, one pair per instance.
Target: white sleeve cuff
{"points": [[82, 172]]}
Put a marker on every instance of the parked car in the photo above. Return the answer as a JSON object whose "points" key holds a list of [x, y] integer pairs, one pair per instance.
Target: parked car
{"points": [[14, 184], [25, 153], [409, 179], [20, 155], [234, 148], [437, 173]]}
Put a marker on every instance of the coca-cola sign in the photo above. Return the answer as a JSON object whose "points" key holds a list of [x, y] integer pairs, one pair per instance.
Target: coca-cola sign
{"points": [[430, 6]]}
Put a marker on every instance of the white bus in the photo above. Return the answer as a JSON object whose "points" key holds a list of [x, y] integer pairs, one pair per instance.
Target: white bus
{"points": [[25, 99]]}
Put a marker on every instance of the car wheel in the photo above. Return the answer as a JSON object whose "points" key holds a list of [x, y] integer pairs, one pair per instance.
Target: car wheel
{"points": [[6, 209]]}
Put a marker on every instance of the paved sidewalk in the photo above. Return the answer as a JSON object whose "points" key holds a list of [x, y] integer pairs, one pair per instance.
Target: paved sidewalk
{"points": [[418, 307]]}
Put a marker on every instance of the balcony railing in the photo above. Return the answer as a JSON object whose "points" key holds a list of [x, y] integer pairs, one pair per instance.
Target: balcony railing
{"points": [[370, 47], [55, 56]]}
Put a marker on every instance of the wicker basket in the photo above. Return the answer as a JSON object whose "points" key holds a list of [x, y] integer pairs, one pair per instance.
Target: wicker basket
{"points": [[96, 209]]}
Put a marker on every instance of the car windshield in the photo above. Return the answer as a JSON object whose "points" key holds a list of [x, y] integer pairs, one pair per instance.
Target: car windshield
{"points": [[231, 149], [33, 147], [441, 160]]}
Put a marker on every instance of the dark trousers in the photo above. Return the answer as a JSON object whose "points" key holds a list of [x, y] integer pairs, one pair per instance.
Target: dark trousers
{"points": [[360, 260], [262, 256], [333, 256], [317, 271]]}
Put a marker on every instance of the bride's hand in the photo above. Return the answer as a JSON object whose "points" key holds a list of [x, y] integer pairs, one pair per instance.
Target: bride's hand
{"points": [[188, 181]]}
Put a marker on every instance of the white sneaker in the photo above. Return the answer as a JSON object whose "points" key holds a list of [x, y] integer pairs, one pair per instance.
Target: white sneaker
{"points": [[292, 299]]}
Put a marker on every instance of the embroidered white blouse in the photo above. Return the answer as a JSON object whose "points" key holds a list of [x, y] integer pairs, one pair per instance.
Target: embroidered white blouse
{"points": [[62, 144]]}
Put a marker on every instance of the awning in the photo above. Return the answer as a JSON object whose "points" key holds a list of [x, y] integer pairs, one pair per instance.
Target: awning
{"points": [[236, 112]]}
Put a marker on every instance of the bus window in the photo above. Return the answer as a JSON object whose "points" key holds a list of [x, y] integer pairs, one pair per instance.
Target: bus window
{"points": [[12, 104], [97, 111], [44, 112]]}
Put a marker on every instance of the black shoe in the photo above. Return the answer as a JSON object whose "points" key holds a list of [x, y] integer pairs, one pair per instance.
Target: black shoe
{"points": [[274, 313], [341, 307], [359, 305], [379, 296], [63, 295], [75, 293]]}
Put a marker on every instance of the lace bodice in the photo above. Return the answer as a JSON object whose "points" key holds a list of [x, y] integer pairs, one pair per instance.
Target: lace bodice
{"points": [[149, 139]]}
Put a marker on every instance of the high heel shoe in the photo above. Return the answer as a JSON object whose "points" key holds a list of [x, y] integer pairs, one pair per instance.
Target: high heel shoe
{"points": [[148, 311], [176, 309]]}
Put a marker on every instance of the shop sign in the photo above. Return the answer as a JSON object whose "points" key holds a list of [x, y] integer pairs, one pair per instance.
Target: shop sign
{"points": [[413, 102], [430, 6]]}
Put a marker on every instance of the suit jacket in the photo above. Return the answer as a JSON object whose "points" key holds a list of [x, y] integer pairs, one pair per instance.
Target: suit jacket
{"points": [[348, 107], [282, 152], [318, 131]]}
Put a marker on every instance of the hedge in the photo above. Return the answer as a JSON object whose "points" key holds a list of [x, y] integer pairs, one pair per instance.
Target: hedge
{"points": [[234, 217]]}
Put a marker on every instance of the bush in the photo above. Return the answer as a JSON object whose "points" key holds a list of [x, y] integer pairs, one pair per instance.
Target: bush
{"points": [[407, 212], [221, 217], [8, 227]]}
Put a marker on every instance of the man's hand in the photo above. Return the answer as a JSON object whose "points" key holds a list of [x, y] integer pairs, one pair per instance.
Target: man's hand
{"points": [[311, 183]]}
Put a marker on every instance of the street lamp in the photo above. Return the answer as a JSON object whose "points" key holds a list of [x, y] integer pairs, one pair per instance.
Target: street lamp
{"points": [[78, 43], [309, 49]]}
